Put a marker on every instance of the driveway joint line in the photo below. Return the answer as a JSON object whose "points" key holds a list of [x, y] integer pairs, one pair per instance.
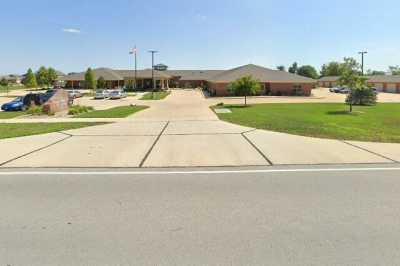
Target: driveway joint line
{"points": [[257, 149], [374, 153], [34, 151], [152, 146]]}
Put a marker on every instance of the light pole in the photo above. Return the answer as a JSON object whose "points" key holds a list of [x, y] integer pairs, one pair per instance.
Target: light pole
{"points": [[134, 52], [152, 68], [362, 61]]}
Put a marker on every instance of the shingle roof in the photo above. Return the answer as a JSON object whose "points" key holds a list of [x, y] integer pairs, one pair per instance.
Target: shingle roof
{"points": [[106, 73], [187, 75], [329, 78], [144, 74], [260, 73], [385, 78]]}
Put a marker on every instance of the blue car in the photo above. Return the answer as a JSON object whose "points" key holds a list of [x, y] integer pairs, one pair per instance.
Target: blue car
{"points": [[15, 105]]}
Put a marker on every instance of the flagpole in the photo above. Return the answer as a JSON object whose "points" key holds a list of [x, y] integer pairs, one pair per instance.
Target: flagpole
{"points": [[135, 68]]}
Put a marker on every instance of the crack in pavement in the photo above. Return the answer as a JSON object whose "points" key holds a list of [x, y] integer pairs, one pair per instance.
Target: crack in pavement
{"points": [[152, 146]]}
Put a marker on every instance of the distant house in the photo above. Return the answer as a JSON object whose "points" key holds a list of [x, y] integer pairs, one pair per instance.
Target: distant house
{"points": [[13, 79], [383, 83], [273, 82]]}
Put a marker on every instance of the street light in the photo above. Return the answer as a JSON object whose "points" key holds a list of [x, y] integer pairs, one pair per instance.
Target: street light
{"points": [[152, 67], [362, 60]]}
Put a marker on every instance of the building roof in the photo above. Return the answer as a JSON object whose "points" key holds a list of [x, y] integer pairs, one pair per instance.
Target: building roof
{"points": [[106, 73], [329, 79], [385, 78], [143, 74], [188, 75], [260, 73]]}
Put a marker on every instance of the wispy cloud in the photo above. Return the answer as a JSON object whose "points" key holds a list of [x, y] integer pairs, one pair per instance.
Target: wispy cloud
{"points": [[72, 30]]}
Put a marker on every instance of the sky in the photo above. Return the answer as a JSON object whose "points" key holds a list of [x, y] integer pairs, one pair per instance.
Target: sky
{"points": [[208, 34]]}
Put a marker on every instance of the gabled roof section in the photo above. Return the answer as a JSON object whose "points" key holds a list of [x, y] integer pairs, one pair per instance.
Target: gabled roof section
{"points": [[188, 75], [106, 73], [329, 79], [260, 73]]}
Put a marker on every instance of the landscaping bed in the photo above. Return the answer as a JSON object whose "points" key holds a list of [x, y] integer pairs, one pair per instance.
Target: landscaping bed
{"points": [[116, 112], [380, 123]]}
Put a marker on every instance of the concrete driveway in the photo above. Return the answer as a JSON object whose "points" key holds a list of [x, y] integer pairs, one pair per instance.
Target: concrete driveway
{"points": [[182, 131]]}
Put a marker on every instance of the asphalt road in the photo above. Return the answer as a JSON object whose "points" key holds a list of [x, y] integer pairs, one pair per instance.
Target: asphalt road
{"points": [[268, 216]]}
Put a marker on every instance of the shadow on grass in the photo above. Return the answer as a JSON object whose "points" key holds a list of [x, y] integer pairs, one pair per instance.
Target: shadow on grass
{"points": [[343, 112]]}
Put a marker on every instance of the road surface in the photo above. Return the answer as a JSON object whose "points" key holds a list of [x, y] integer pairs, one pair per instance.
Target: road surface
{"points": [[221, 216]]}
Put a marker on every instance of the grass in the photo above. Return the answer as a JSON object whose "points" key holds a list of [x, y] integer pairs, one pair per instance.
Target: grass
{"points": [[158, 95], [116, 112], [9, 115], [11, 87], [27, 129], [380, 123]]}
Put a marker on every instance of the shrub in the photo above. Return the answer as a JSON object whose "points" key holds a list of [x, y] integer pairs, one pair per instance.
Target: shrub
{"points": [[35, 110], [361, 96], [79, 109], [220, 104], [298, 91]]}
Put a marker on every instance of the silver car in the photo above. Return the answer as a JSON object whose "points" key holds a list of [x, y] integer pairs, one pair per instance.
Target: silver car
{"points": [[74, 94], [117, 94], [102, 94]]}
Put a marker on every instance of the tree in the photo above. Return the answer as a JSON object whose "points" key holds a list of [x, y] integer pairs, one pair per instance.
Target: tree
{"points": [[30, 79], [360, 93], [245, 86], [281, 68], [4, 82], [395, 70], [90, 79], [331, 69], [51, 76], [42, 76], [101, 83], [308, 71], [293, 68]]}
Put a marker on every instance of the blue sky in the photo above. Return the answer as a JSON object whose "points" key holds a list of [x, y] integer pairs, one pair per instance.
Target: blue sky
{"points": [[75, 34]]}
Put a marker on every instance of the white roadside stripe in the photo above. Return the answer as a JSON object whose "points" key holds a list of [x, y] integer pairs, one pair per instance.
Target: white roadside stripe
{"points": [[304, 170]]}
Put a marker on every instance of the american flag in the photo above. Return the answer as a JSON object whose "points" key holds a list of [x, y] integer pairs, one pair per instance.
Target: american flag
{"points": [[133, 51]]}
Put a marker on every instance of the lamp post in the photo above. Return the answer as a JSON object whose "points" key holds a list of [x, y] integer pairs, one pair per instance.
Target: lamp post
{"points": [[134, 52], [362, 61], [152, 68]]}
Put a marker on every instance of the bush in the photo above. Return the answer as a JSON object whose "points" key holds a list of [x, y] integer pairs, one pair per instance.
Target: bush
{"points": [[298, 91], [79, 109], [220, 104], [35, 110]]}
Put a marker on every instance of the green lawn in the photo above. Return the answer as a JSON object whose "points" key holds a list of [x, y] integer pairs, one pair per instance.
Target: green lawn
{"points": [[8, 115], [380, 123], [159, 95], [27, 129], [11, 88], [116, 112]]}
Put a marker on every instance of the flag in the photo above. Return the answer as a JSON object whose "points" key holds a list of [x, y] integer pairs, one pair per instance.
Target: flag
{"points": [[133, 51]]}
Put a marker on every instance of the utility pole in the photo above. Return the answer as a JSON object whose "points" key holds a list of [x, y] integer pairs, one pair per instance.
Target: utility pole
{"points": [[152, 68], [362, 61], [134, 52]]}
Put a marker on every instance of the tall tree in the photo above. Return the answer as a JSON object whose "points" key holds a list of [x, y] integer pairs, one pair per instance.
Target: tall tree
{"points": [[293, 68], [101, 83], [281, 68], [308, 71], [245, 86], [4, 82], [30, 79], [331, 69], [371, 72], [51, 76], [395, 70], [90, 80], [42, 76]]}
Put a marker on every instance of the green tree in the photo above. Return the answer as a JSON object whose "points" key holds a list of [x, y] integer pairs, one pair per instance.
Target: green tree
{"points": [[360, 93], [245, 86], [30, 79], [395, 70], [42, 76], [375, 72], [281, 68], [4, 82], [51, 76], [308, 71], [293, 68], [331, 69], [90, 80], [101, 83]]}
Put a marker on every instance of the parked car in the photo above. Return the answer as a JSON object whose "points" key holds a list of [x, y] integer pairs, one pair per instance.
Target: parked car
{"points": [[15, 105], [34, 98], [118, 94], [337, 89], [102, 94], [75, 94], [344, 91]]}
